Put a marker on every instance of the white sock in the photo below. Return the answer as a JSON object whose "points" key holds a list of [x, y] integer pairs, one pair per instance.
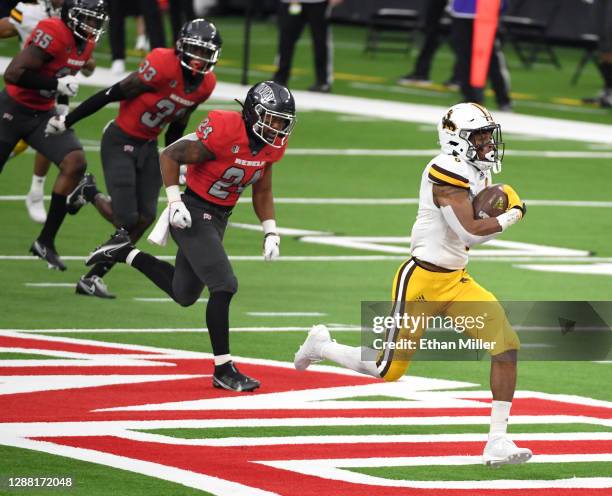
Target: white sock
{"points": [[500, 411], [38, 185], [349, 357], [131, 255], [221, 359]]}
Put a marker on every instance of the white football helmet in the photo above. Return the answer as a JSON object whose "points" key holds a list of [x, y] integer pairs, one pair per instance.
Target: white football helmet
{"points": [[457, 126]]}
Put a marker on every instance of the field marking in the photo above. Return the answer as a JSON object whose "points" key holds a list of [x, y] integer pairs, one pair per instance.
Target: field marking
{"points": [[598, 269], [164, 300], [214, 485], [400, 245], [49, 284], [373, 152], [417, 461], [326, 470], [363, 152], [285, 231], [180, 329], [45, 429], [349, 258], [544, 127], [373, 202], [369, 439], [286, 314]]}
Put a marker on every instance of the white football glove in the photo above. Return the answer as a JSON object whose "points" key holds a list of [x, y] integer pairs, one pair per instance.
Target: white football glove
{"points": [[271, 246], [182, 174], [179, 215], [56, 125], [68, 85]]}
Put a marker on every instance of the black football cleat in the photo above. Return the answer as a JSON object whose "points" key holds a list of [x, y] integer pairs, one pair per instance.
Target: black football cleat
{"points": [[114, 250], [78, 197], [320, 88], [228, 377], [93, 286], [48, 254]]}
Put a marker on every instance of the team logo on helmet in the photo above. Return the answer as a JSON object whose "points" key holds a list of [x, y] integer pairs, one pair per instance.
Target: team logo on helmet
{"points": [[265, 93], [447, 123]]}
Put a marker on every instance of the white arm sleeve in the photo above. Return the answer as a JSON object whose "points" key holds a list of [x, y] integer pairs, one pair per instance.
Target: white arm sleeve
{"points": [[468, 238]]}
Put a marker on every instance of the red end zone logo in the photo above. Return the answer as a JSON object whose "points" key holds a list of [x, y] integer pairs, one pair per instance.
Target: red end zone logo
{"points": [[95, 401]]}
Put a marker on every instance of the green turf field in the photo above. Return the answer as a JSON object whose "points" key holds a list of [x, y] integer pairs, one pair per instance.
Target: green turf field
{"points": [[322, 281]]}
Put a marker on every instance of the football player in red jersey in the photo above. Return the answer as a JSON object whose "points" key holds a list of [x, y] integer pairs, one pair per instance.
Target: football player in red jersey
{"points": [[167, 88], [55, 51], [228, 152]]}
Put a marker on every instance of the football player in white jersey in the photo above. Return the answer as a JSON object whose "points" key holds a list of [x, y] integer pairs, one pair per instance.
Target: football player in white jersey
{"points": [[444, 231], [21, 22]]}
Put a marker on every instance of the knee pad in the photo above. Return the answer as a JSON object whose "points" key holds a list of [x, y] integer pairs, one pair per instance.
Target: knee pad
{"points": [[186, 301], [229, 285]]}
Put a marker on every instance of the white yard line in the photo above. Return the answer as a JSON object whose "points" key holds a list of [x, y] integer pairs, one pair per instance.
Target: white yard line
{"points": [[326, 470], [164, 300], [331, 152], [367, 438], [286, 314], [181, 329], [49, 284], [367, 152], [45, 429], [382, 202], [352, 258], [394, 110]]}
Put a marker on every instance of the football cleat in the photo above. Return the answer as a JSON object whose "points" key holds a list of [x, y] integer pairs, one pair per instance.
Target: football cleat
{"points": [[48, 254], [112, 250], [310, 351], [93, 286], [502, 451], [228, 377], [78, 197], [413, 78], [36, 208]]}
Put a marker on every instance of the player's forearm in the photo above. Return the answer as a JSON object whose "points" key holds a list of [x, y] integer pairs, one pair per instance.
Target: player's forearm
{"points": [[31, 79], [471, 233], [175, 132], [95, 103], [263, 205], [169, 169]]}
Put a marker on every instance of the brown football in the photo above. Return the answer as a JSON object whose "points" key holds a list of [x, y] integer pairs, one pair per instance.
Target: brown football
{"points": [[490, 202]]}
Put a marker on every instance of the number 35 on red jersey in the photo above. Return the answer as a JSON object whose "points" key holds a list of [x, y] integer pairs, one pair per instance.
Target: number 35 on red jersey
{"points": [[234, 168]]}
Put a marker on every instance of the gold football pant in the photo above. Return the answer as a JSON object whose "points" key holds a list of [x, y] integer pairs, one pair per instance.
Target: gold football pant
{"points": [[417, 291]]}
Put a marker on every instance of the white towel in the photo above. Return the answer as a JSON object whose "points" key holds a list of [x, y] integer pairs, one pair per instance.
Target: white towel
{"points": [[159, 234]]}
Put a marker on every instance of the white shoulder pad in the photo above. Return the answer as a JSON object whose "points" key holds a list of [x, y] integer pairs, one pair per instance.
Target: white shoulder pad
{"points": [[448, 170]]}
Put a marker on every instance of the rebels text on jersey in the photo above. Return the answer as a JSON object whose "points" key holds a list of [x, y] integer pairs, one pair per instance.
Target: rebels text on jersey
{"points": [[234, 168], [54, 38], [146, 115]]}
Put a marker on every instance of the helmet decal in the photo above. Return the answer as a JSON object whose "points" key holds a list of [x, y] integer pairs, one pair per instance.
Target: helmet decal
{"points": [[468, 131]]}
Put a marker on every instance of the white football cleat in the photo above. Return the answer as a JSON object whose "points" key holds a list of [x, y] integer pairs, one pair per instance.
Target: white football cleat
{"points": [[502, 451], [310, 351], [36, 208]]}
